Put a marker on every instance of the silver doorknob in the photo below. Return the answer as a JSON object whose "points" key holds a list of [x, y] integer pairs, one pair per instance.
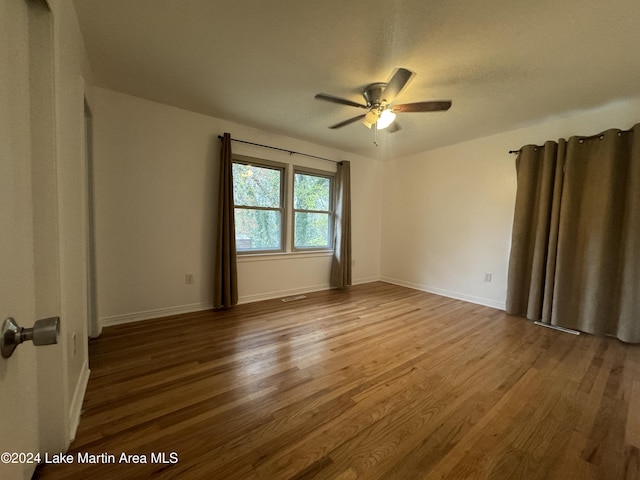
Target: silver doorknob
{"points": [[44, 332]]}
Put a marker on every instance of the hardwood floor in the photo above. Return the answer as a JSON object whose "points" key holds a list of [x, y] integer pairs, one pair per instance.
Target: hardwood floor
{"points": [[379, 382]]}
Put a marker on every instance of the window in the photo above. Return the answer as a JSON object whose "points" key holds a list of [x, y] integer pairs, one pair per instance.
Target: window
{"points": [[258, 195], [264, 212], [312, 210]]}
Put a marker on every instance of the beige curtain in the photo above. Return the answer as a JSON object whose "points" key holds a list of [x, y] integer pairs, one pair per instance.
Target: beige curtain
{"points": [[575, 253], [225, 281], [341, 264]]}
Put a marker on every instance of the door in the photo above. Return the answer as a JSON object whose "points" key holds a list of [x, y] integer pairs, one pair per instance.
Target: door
{"points": [[93, 327], [19, 435]]}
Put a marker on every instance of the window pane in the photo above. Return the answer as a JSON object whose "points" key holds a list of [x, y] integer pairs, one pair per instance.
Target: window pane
{"points": [[311, 230], [257, 229], [255, 186], [311, 192]]}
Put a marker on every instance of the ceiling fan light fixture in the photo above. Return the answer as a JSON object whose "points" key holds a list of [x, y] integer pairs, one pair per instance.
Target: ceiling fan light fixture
{"points": [[370, 118], [386, 118]]}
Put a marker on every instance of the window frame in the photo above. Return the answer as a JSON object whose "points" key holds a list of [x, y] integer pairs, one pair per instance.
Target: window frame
{"points": [[331, 212], [284, 170]]}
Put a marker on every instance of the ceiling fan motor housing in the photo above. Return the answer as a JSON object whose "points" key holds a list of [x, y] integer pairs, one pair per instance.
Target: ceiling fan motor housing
{"points": [[373, 93]]}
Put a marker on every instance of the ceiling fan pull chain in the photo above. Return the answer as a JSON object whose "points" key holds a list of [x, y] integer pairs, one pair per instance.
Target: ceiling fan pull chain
{"points": [[375, 134]]}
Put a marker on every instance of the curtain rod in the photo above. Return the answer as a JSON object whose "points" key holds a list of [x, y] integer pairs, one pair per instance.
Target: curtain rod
{"points": [[290, 152], [582, 138]]}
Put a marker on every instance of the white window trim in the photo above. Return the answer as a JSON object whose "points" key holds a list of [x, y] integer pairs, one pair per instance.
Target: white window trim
{"points": [[269, 257], [319, 173], [284, 168], [288, 251]]}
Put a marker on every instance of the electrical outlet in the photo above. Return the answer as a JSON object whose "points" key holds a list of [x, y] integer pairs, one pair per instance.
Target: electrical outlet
{"points": [[487, 277], [188, 278], [353, 263]]}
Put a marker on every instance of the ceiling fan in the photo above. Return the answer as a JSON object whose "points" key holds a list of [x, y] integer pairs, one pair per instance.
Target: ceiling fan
{"points": [[378, 98]]}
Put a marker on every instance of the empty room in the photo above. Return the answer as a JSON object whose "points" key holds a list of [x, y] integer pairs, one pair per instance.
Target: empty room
{"points": [[333, 240]]}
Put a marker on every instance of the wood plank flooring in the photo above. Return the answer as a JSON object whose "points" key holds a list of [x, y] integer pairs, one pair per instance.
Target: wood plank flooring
{"points": [[378, 382]]}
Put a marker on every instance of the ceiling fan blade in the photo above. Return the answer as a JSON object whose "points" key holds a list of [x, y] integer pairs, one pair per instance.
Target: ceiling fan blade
{"points": [[422, 107], [347, 122], [342, 101], [399, 80]]}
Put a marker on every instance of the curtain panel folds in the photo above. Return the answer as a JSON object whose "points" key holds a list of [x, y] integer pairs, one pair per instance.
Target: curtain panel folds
{"points": [[575, 251], [341, 263], [225, 276]]}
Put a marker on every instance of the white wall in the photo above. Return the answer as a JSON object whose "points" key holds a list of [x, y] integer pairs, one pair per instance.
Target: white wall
{"points": [[447, 213], [156, 172]]}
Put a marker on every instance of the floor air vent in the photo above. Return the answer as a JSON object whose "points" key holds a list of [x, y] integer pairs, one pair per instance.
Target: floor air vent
{"points": [[293, 298]]}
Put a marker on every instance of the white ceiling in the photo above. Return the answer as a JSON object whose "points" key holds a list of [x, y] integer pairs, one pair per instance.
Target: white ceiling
{"points": [[505, 64]]}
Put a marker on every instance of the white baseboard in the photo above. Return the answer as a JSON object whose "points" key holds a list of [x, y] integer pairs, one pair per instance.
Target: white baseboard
{"points": [[156, 313], [447, 293], [75, 409], [360, 281], [282, 293], [197, 307], [298, 291]]}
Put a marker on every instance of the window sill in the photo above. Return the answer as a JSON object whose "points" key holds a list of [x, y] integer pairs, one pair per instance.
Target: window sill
{"points": [[263, 257]]}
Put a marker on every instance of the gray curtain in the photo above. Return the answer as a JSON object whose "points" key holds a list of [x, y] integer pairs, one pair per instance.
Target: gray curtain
{"points": [[575, 252], [341, 264], [225, 280]]}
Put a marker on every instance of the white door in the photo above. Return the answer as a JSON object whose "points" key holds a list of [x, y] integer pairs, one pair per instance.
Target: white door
{"points": [[18, 386]]}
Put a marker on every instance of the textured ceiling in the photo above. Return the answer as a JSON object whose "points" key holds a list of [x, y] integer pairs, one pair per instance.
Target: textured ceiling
{"points": [[504, 63]]}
